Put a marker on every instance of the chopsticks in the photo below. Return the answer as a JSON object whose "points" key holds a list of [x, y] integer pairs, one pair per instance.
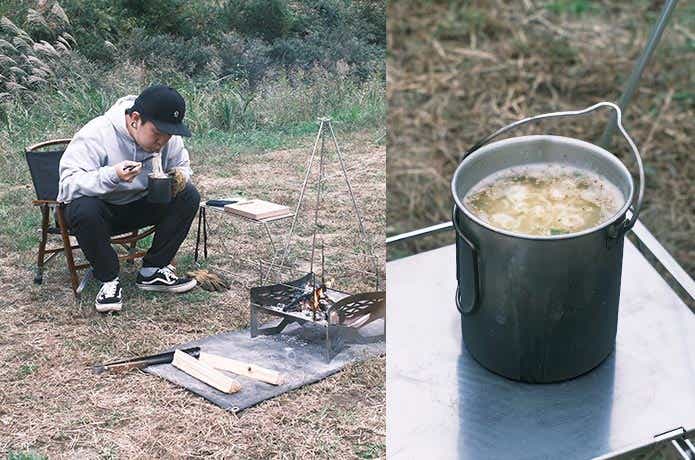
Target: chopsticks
{"points": [[144, 160]]}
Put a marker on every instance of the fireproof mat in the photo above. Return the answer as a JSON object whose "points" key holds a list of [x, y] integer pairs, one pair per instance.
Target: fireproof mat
{"points": [[298, 352]]}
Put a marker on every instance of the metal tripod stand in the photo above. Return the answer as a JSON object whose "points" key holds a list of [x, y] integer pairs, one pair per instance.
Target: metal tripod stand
{"points": [[325, 129]]}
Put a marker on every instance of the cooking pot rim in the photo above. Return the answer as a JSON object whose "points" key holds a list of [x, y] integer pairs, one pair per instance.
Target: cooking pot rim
{"points": [[568, 140]]}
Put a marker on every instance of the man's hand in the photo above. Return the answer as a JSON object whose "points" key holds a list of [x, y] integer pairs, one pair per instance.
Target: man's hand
{"points": [[127, 170], [178, 181]]}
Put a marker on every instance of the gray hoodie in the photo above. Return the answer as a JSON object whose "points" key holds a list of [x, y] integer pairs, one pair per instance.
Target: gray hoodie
{"points": [[86, 168]]}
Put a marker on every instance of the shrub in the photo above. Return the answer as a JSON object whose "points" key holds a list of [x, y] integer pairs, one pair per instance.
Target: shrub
{"points": [[98, 27], [179, 18], [96, 22], [194, 38], [268, 19], [244, 59], [371, 16], [190, 56], [328, 31]]}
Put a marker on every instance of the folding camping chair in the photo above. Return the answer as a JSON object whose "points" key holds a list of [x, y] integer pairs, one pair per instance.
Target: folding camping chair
{"points": [[43, 160]]}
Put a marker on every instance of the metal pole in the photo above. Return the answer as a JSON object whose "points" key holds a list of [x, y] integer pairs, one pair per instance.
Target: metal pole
{"points": [[363, 232], [420, 232], [288, 243], [319, 189], [638, 68]]}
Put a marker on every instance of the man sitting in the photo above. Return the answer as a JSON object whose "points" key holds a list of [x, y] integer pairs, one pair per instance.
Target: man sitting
{"points": [[104, 184]]}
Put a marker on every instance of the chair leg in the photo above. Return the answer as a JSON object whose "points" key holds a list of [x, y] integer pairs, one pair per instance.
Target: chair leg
{"points": [[38, 275], [68, 250], [89, 274], [132, 249]]}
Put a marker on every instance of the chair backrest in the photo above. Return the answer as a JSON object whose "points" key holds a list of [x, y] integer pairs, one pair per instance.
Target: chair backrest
{"points": [[44, 167]]}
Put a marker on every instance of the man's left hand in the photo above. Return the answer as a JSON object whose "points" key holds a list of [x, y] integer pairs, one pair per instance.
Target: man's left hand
{"points": [[178, 181]]}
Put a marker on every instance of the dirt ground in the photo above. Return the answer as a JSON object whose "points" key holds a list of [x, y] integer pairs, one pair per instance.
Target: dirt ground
{"points": [[459, 71], [51, 404]]}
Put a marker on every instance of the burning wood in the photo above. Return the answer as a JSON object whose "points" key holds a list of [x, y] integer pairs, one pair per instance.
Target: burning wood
{"points": [[316, 300]]}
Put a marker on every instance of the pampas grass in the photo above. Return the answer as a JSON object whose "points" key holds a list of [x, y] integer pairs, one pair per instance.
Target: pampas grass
{"points": [[36, 19], [46, 49], [7, 46], [29, 64], [5, 60], [59, 13], [9, 27]]}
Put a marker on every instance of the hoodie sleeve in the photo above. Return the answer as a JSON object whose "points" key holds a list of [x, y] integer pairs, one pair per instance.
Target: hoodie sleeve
{"points": [[83, 171], [177, 156]]}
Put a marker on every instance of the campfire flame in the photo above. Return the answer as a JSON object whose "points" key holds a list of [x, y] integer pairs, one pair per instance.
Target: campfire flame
{"points": [[314, 300]]}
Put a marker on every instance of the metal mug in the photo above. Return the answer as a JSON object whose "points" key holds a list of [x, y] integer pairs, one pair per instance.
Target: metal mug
{"points": [[158, 189], [541, 308]]}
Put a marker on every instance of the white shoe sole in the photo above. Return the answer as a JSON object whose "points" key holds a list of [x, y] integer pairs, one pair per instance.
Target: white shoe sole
{"points": [[109, 307], [178, 289]]}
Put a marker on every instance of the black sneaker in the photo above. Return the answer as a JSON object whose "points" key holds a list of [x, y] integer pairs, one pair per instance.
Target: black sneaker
{"points": [[109, 297], [165, 280]]}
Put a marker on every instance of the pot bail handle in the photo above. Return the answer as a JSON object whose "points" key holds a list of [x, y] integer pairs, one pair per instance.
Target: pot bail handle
{"points": [[636, 206], [466, 256]]}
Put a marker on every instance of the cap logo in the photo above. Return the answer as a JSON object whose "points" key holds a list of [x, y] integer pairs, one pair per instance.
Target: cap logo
{"points": [[176, 113]]}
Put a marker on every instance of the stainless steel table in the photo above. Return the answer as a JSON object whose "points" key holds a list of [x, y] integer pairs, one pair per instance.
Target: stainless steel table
{"points": [[442, 404], [202, 223]]}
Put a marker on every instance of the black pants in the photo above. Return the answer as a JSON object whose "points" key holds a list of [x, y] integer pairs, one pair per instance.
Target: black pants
{"points": [[94, 221]]}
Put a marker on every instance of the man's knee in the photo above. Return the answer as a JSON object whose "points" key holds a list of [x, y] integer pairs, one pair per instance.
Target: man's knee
{"points": [[86, 211], [189, 198]]}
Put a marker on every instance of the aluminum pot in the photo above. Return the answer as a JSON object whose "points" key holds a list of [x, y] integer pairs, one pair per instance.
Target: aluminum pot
{"points": [[541, 308]]}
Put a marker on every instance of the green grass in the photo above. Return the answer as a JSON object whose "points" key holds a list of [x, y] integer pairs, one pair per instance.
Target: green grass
{"points": [[186, 261], [281, 113], [369, 451], [685, 96], [462, 20], [19, 220], [268, 138], [27, 369], [24, 455], [145, 243], [108, 452], [576, 7], [196, 296]]}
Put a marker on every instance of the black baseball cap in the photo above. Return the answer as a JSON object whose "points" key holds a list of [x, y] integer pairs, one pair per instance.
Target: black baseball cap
{"points": [[163, 106]]}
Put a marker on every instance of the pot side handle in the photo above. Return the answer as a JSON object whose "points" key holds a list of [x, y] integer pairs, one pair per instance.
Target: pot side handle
{"points": [[636, 205], [466, 270]]}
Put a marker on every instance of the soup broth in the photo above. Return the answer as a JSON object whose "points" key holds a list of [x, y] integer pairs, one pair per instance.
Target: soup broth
{"points": [[544, 199]]}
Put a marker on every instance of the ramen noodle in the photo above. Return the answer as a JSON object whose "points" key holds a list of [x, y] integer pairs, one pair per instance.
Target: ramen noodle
{"points": [[544, 199]]}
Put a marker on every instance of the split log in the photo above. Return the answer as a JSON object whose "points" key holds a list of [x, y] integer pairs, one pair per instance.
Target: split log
{"points": [[204, 373], [242, 368]]}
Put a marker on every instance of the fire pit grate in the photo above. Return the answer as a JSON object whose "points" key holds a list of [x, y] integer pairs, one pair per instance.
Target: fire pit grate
{"points": [[336, 311], [280, 294]]}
